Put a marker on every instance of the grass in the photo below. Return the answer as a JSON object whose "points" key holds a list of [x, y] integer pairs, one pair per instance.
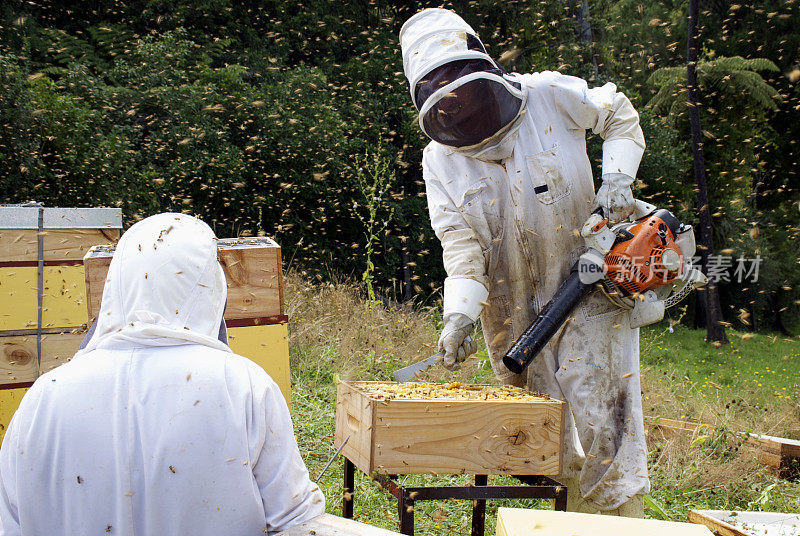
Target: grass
{"points": [[754, 384]]}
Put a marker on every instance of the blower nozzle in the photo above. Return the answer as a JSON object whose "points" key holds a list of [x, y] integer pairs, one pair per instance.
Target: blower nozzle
{"points": [[548, 321]]}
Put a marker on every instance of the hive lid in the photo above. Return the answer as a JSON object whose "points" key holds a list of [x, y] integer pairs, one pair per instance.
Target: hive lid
{"points": [[27, 217]]}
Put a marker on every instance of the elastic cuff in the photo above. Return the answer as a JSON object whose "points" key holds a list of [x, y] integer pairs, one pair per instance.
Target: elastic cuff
{"points": [[465, 296], [622, 156]]}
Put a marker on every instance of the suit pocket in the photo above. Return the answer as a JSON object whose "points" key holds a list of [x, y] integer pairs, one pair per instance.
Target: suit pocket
{"points": [[546, 172], [481, 213]]}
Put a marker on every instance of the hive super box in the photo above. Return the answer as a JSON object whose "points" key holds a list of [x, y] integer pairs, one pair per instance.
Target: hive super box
{"points": [[448, 436]]}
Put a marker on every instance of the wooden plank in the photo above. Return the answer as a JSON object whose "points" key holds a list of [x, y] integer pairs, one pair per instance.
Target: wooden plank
{"points": [[448, 436], [717, 526], [475, 437], [60, 245], [95, 273], [9, 402], [268, 347], [252, 270], [62, 299], [672, 428], [778, 453], [354, 417], [330, 525], [18, 361], [255, 282], [743, 523], [523, 522]]}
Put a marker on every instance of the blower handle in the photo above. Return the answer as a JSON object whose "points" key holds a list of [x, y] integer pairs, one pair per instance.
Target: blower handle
{"points": [[547, 322]]}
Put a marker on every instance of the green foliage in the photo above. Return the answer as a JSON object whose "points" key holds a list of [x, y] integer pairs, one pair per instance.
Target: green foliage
{"points": [[250, 116], [733, 78], [373, 180]]}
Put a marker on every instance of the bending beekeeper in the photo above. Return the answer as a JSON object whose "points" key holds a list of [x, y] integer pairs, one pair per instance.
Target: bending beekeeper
{"points": [[156, 427], [508, 182]]}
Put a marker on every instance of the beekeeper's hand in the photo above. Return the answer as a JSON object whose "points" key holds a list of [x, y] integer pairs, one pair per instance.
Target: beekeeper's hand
{"points": [[615, 196], [456, 342]]}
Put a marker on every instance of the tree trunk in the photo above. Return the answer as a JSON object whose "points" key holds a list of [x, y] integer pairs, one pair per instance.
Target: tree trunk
{"points": [[714, 328], [583, 28], [777, 318]]}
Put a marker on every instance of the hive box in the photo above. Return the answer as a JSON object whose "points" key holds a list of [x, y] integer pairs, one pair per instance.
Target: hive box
{"points": [[257, 325], [41, 252], [57, 238], [252, 269], [445, 436]]}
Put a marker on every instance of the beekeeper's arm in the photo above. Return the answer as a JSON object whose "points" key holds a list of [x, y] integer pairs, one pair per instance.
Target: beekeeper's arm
{"points": [[288, 494], [465, 287], [611, 115], [9, 511]]}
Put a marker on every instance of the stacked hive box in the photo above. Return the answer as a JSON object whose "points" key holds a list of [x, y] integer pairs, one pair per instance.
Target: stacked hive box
{"points": [[43, 313], [254, 311], [74, 248]]}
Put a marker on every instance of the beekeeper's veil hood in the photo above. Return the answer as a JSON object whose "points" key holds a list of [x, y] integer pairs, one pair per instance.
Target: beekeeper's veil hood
{"points": [[164, 287], [465, 100]]}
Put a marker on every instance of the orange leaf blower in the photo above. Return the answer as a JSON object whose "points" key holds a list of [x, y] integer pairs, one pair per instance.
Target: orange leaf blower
{"points": [[644, 265]]}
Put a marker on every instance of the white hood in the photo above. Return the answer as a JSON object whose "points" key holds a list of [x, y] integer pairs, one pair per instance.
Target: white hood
{"points": [[164, 286], [432, 38]]}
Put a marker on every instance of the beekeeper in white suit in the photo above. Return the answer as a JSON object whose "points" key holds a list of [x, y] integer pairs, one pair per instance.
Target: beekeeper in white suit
{"points": [[508, 182], [156, 427]]}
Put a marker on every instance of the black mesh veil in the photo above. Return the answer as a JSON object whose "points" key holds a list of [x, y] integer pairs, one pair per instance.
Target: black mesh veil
{"points": [[471, 112]]}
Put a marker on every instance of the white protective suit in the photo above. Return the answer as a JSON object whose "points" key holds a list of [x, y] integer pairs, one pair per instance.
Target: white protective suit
{"points": [[507, 219], [156, 427]]}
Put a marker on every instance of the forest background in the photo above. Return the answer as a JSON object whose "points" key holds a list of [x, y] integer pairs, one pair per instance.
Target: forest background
{"points": [[292, 119]]}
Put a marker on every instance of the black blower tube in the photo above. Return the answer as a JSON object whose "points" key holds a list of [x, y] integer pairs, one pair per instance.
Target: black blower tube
{"points": [[550, 318]]}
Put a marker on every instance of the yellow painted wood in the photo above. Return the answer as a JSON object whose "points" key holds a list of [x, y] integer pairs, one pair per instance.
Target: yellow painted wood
{"points": [[268, 346], [523, 522], [63, 300], [9, 402]]}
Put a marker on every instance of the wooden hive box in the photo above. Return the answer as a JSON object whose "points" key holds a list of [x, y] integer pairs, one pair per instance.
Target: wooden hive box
{"points": [[41, 252], [448, 436], [252, 269], [52, 241], [254, 313]]}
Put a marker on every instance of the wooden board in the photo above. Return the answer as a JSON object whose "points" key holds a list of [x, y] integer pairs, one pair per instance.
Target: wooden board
{"points": [[18, 361], [780, 454], [671, 428], [329, 525], [448, 436], [523, 522], [9, 402], [268, 347], [739, 523], [60, 245], [717, 526], [63, 298], [252, 269]]}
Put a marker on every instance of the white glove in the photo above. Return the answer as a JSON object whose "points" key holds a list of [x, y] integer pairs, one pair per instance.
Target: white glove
{"points": [[455, 341], [615, 196]]}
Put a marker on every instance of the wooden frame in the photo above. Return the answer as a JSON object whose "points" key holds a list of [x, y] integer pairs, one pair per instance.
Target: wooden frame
{"points": [[252, 269], [485, 437]]}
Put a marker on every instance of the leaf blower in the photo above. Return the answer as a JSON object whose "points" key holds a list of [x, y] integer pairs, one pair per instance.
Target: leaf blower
{"points": [[644, 265]]}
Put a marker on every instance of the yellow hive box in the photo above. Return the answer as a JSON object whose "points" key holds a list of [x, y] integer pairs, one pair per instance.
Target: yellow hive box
{"points": [[61, 238]]}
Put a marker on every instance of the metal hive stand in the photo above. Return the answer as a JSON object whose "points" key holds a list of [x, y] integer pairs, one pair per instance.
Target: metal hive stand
{"points": [[536, 487]]}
